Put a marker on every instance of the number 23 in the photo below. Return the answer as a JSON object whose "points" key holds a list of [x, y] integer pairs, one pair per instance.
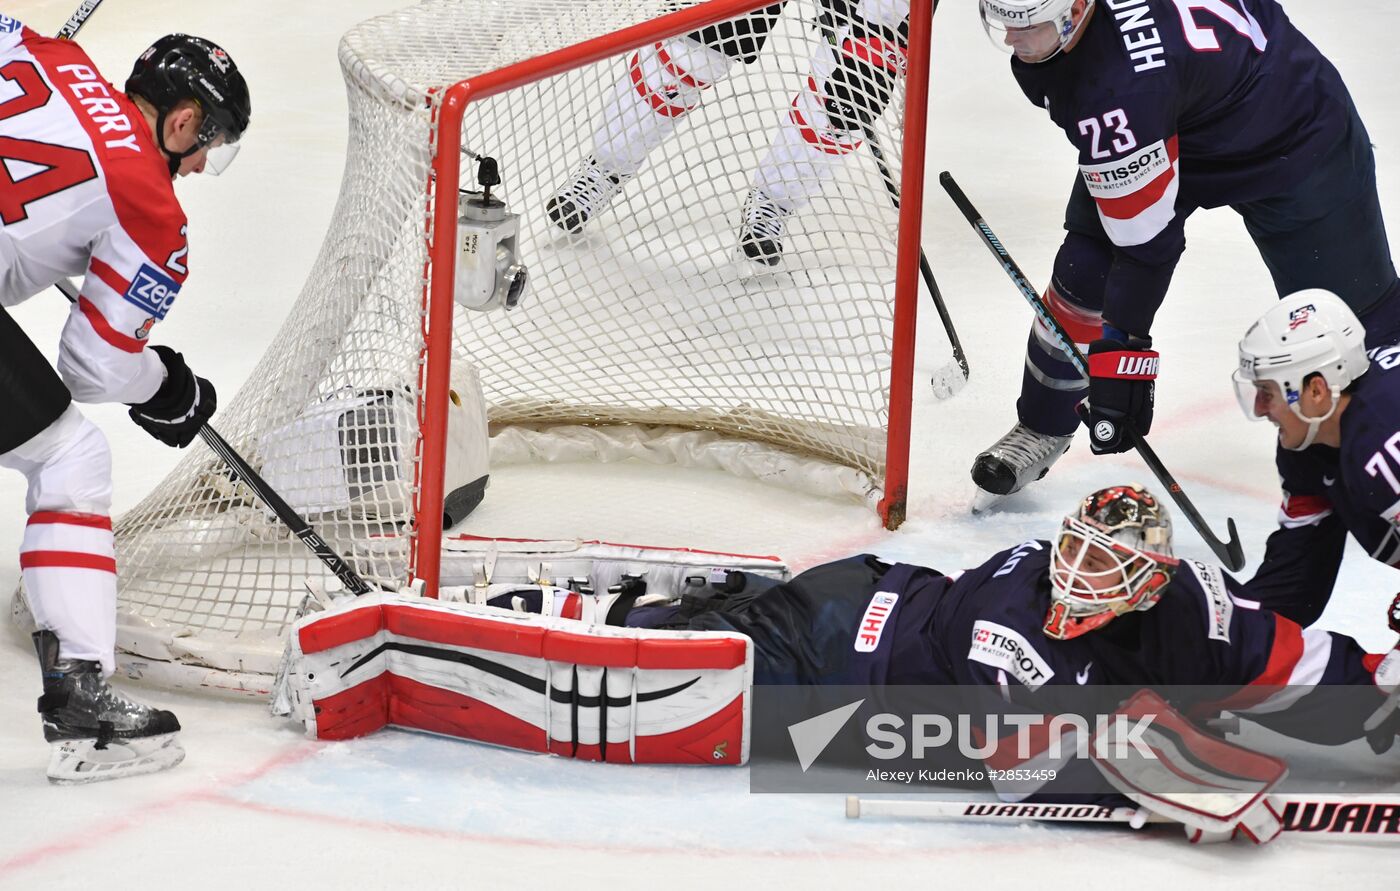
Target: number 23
{"points": [[1123, 138]]}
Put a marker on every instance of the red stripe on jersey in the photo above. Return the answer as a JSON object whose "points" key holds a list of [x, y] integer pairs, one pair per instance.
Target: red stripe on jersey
{"points": [[874, 51], [1372, 661], [809, 133], [1129, 206], [106, 331], [675, 70], [658, 103], [66, 560], [1298, 506], [137, 179], [1283, 655], [1081, 324], [92, 521], [109, 276]]}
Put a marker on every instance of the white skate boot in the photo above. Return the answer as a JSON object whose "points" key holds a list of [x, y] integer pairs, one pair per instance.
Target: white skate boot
{"points": [[591, 190], [1013, 462], [96, 732]]}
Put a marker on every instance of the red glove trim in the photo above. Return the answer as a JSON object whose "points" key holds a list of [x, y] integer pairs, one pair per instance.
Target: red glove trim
{"points": [[1131, 365]]}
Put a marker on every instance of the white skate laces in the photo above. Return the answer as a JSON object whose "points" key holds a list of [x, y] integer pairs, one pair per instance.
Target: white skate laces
{"points": [[1020, 457], [590, 191], [761, 231]]}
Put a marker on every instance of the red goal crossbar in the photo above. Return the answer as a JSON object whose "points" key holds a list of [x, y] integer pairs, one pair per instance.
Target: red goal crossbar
{"points": [[438, 297]]}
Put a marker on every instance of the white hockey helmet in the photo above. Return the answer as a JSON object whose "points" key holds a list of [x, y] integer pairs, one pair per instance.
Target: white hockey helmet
{"points": [[1039, 29], [1306, 333], [1112, 556]]}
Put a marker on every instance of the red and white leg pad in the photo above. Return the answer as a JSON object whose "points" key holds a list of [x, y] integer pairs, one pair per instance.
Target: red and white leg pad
{"points": [[525, 681]]}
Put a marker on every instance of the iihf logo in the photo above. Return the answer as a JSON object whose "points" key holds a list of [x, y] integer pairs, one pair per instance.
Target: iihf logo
{"points": [[1300, 316]]}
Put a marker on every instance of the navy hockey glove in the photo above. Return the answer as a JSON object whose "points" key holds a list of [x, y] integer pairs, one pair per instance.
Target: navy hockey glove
{"points": [[1122, 383], [181, 405]]}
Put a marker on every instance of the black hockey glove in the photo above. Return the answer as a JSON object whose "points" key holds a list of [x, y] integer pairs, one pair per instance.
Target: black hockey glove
{"points": [[1122, 382], [181, 405]]}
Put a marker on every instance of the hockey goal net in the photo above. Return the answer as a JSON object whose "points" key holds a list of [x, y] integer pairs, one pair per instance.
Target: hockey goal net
{"points": [[648, 325]]}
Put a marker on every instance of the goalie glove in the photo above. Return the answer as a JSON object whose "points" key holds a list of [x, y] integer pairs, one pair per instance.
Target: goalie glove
{"points": [[1167, 765], [182, 405], [1122, 387]]}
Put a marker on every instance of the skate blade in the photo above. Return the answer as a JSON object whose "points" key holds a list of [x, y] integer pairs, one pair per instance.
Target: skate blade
{"points": [[78, 761], [984, 501]]}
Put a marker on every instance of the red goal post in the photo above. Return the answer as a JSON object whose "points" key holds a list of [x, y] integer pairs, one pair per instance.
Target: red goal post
{"points": [[442, 253]]}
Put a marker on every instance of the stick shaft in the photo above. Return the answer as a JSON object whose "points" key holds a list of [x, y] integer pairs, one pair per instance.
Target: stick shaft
{"points": [[1230, 553], [79, 18], [1320, 817], [293, 520]]}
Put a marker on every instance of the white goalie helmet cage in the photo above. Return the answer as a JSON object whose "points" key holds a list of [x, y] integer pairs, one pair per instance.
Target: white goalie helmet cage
{"points": [[1113, 555], [1000, 16], [1308, 332]]}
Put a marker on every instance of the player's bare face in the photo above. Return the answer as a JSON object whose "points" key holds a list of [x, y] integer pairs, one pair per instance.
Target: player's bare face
{"points": [[1034, 44], [1270, 403], [1099, 570]]}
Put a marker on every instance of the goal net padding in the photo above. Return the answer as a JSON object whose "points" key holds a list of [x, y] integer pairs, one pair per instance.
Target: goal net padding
{"points": [[646, 335]]}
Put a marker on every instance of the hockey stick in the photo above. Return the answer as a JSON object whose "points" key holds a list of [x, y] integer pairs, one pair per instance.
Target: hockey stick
{"points": [[1230, 553], [79, 18], [241, 470], [1326, 818], [950, 378], [289, 517]]}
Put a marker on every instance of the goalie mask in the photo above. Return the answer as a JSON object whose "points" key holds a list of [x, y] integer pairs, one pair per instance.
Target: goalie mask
{"points": [[1306, 333], [1112, 556], [1035, 30]]}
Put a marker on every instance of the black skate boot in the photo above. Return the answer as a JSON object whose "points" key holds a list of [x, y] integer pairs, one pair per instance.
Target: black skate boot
{"points": [[96, 732], [1013, 462], [590, 191], [762, 228]]}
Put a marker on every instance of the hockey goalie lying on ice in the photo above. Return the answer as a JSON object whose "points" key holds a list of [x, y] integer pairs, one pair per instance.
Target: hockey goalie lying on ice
{"points": [[666, 675]]}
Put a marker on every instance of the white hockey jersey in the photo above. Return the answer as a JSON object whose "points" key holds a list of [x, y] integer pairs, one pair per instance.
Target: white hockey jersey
{"points": [[85, 191]]}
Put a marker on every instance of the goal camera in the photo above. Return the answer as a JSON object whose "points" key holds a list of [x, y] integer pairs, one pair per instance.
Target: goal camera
{"points": [[489, 272]]}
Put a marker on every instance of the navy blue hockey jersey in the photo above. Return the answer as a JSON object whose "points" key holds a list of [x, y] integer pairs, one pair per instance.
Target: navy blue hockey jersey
{"points": [[1328, 492], [1175, 106]]}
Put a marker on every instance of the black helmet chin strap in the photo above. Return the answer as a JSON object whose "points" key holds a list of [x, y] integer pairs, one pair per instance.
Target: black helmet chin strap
{"points": [[172, 158]]}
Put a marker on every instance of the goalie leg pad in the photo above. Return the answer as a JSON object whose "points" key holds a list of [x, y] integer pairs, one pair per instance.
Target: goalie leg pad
{"points": [[525, 681]]}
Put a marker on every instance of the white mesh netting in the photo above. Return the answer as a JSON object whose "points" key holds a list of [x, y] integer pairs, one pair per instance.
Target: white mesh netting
{"points": [[649, 315]]}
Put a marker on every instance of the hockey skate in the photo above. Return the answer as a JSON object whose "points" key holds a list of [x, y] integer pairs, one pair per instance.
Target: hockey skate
{"points": [[96, 732], [762, 228], [1016, 460], [590, 191]]}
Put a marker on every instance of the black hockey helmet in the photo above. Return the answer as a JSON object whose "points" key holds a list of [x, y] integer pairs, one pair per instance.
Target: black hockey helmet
{"points": [[180, 66]]}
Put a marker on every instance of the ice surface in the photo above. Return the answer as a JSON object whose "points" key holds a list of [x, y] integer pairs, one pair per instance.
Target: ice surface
{"points": [[255, 804]]}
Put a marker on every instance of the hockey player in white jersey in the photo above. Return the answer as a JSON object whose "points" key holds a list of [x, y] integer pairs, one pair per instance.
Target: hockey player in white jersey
{"points": [[86, 188], [853, 73]]}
